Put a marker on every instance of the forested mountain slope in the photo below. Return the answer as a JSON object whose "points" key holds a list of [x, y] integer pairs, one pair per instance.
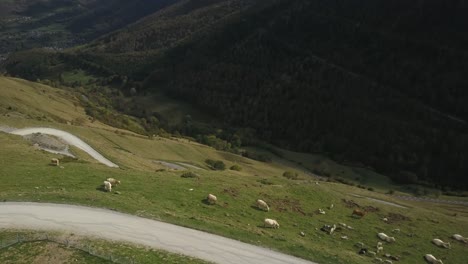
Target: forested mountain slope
{"points": [[382, 83], [359, 81], [59, 24]]}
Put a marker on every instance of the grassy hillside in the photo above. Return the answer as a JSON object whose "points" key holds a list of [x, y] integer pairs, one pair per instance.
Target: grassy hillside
{"points": [[148, 191], [353, 81], [59, 248]]}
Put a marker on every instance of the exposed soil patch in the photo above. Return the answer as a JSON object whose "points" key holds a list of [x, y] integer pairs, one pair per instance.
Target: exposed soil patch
{"points": [[231, 191], [37, 253], [371, 209], [54, 254], [350, 203], [46, 141], [395, 218], [287, 204]]}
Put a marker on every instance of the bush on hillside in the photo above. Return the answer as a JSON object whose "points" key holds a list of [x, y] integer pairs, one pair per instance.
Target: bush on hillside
{"points": [[189, 174], [256, 156], [216, 164], [265, 182], [236, 167], [291, 175]]}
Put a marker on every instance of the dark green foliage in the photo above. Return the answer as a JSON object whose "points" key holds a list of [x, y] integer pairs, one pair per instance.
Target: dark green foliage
{"points": [[236, 167], [376, 82], [291, 175], [58, 24], [343, 181], [216, 164], [256, 156], [215, 142], [189, 174]]}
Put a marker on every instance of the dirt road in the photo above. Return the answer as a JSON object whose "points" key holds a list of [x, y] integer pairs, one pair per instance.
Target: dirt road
{"points": [[112, 225], [68, 138]]}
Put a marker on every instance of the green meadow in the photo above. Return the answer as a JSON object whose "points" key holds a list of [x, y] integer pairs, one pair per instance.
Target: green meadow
{"points": [[150, 189]]}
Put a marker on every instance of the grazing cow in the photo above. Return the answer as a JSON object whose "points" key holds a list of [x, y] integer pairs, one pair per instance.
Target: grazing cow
{"points": [[440, 243], [431, 259], [113, 181], [359, 213], [211, 199], [270, 223], [263, 205], [460, 238], [107, 186], [55, 162], [384, 237]]}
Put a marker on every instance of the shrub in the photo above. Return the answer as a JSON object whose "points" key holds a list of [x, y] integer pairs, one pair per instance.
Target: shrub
{"points": [[216, 164], [370, 189], [291, 175], [256, 156], [236, 167], [189, 174], [391, 192], [343, 181], [265, 182]]}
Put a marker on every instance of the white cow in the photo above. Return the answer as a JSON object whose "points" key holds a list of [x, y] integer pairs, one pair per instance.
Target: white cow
{"points": [[263, 205], [107, 186], [211, 199], [431, 259], [384, 237], [460, 238], [270, 223], [113, 181], [440, 243]]}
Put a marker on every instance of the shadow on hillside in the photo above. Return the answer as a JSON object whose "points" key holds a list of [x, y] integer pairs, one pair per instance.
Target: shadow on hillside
{"points": [[257, 208], [207, 202], [101, 188]]}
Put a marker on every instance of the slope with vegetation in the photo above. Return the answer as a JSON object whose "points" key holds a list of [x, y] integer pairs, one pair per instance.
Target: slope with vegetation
{"points": [[373, 83], [151, 190], [58, 24]]}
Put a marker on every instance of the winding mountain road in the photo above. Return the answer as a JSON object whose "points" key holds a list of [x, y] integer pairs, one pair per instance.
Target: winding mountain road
{"points": [[68, 138], [112, 225]]}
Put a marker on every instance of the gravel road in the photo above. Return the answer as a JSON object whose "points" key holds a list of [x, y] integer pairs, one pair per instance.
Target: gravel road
{"points": [[68, 138], [112, 225]]}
